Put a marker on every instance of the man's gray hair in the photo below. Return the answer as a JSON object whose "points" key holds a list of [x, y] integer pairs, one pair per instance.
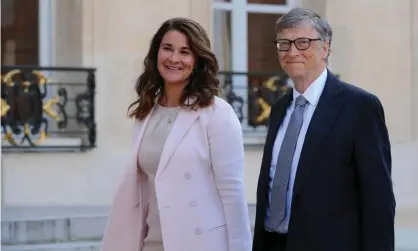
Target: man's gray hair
{"points": [[299, 16]]}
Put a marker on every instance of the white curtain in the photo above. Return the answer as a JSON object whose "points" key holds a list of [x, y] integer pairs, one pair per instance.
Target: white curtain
{"points": [[222, 41]]}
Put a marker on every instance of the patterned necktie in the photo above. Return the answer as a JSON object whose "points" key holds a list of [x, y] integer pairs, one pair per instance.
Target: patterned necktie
{"points": [[277, 208]]}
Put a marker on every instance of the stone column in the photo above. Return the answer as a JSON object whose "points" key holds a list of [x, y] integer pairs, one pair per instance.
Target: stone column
{"points": [[372, 50], [67, 33]]}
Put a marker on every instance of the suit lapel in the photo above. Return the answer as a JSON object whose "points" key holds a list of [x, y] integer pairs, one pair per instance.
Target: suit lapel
{"points": [[276, 119], [321, 124], [182, 124]]}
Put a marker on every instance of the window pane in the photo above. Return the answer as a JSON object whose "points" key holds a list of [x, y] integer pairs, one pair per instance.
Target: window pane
{"points": [[222, 39], [264, 90], [262, 56], [19, 32], [281, 2], [7, 13]]}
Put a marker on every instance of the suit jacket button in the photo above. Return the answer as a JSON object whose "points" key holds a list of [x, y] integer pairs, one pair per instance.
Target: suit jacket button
{"points": [[198, 231], [193, 203], [187, 175]]}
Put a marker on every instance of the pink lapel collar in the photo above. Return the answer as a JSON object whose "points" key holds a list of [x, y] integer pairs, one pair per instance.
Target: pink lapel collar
{"points": [[138, 141]]}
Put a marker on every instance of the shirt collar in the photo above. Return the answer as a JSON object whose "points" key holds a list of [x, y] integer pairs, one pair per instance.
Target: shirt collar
{"points": [[314, 91]]}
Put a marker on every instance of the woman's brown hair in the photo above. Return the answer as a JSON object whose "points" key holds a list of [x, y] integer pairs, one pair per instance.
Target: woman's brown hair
{"points": [[203, 85]]}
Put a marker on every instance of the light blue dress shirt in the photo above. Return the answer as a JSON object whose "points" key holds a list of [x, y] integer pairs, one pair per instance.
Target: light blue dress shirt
{"points": [[312, 94]]}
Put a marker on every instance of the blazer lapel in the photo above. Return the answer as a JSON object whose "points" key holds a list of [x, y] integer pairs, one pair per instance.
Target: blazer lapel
{"points": [[184, 120], [138, 139], [321, 124], [125, 225]]}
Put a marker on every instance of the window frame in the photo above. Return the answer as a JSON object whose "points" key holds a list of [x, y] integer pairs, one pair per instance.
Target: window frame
{"points": [[239, 10]]}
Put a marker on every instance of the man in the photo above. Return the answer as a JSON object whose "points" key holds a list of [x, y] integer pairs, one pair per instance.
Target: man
{"points": [[325, 180]]}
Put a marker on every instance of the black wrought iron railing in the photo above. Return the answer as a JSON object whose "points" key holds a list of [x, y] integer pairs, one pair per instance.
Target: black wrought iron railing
{"points": [[47, 108], [252, 94]]}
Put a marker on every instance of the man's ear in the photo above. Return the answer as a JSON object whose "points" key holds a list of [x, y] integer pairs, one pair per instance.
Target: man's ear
{"points": [[326, 49]]}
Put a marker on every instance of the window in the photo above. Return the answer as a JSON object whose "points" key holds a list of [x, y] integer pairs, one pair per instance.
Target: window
{"points": [[244, 31], [44, 108], [222, 45], [19, 32], [26, 32], [261, 49]]}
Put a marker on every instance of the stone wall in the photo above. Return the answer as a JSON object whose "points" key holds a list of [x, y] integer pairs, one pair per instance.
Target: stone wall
{"points": [[114, 38]]}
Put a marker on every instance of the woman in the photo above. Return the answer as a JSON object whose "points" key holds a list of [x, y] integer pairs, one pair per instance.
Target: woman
{"points": [[184, 187]]}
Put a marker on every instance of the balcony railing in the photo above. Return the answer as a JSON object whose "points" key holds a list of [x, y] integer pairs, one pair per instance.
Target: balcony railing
{"points": [[52, 108], [252, 94], [47, 108]]}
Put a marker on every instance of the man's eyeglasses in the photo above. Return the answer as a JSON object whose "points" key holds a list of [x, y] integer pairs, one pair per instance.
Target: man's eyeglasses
{"points": [[300, 43]]}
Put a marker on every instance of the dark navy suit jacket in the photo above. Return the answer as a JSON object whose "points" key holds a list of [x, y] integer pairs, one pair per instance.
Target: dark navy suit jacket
{"points": [[343, 197]]}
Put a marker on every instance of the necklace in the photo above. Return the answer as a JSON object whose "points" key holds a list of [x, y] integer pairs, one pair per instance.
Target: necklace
{"points": [[170, 113]]}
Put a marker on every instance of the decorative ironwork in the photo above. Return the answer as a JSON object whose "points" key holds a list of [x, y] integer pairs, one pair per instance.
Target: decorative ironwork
{"points": [[237, 102], [85, 107], [252, 94], [33, 108], [260, 91], [263, 92]]}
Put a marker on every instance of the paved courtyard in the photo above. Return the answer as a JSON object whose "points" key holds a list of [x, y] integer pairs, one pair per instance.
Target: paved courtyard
{"points": [[81, 228]]}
